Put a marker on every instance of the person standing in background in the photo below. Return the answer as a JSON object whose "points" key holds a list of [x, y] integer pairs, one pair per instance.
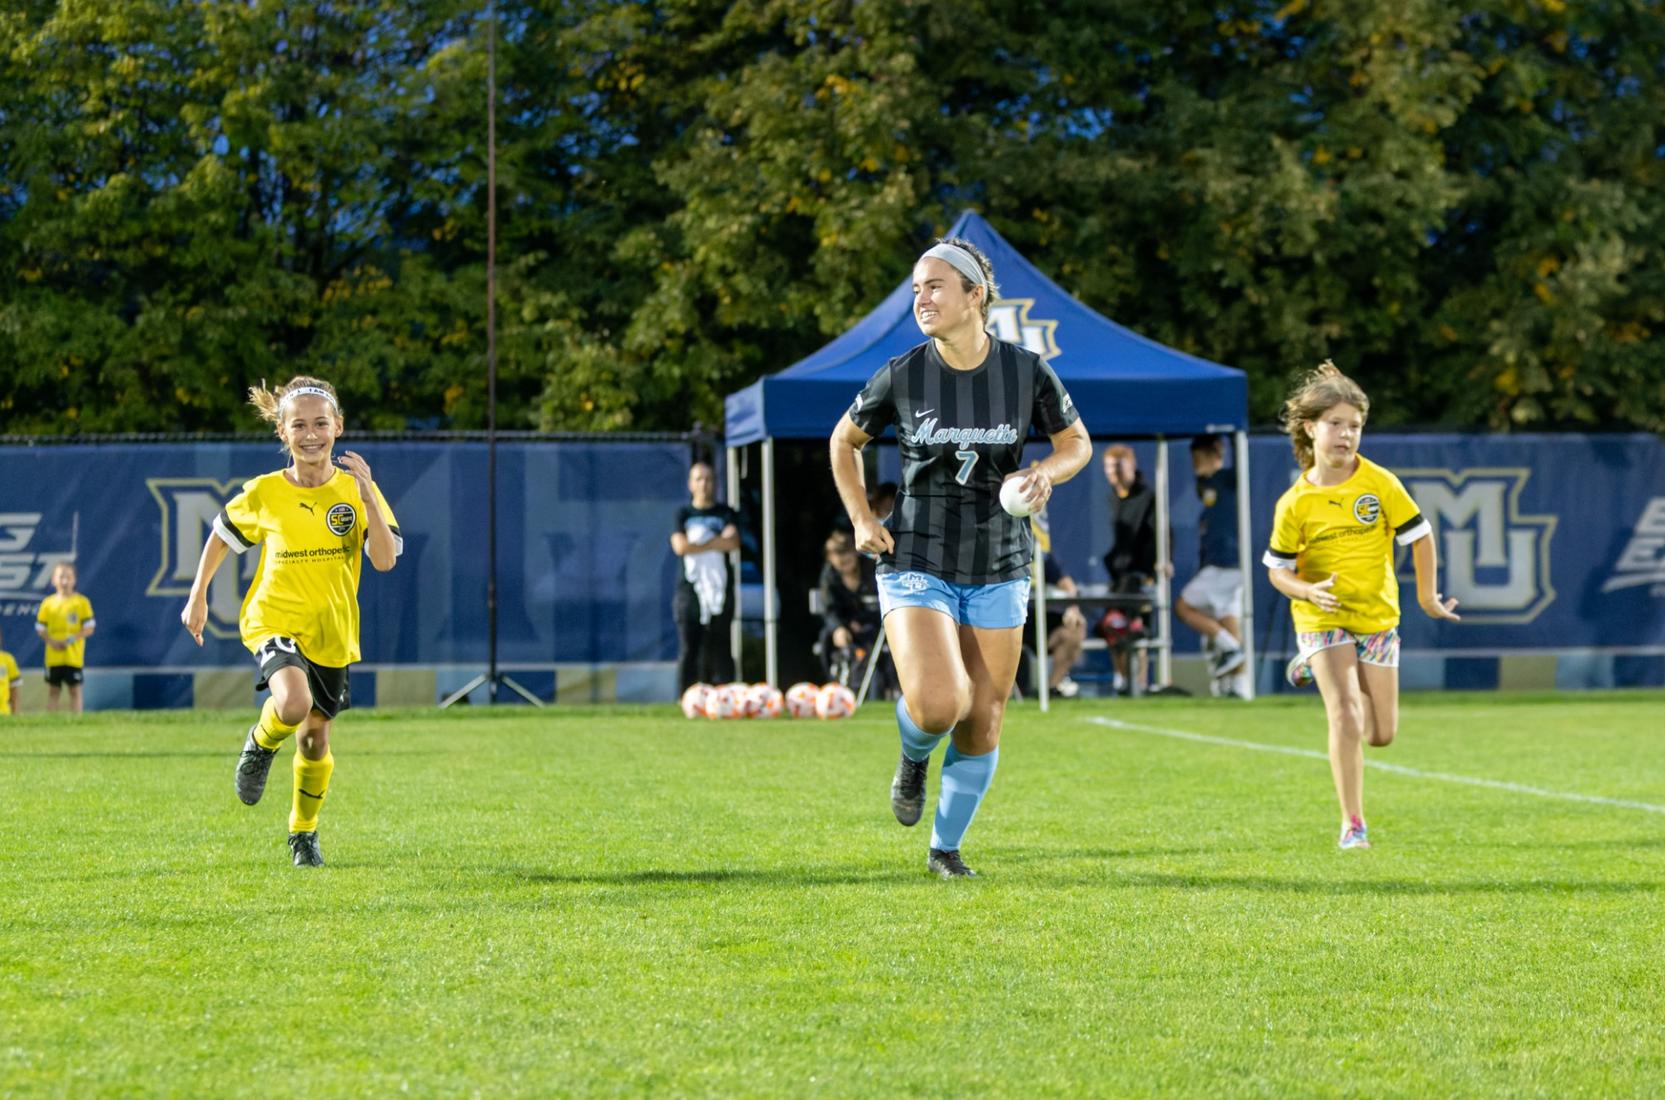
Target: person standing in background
{"points": [[1212, 603], [706, 532], [1131, 559], [64, 624]]}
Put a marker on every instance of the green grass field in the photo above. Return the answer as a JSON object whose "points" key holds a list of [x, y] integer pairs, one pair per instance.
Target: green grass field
{"points": [[619, 901]]}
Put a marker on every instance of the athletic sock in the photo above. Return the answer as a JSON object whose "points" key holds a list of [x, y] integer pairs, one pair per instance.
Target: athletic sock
{"points": [[916, 743], [312, 782], [271, 731], [965, 780], [1226, 643]]}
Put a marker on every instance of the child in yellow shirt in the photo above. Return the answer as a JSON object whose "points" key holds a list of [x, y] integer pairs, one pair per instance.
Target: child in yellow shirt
{"points": [[64, 623], [11, 682], [1333, 536]]}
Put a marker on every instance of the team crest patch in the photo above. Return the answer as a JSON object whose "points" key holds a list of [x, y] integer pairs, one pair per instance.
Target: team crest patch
{"points": [[1367, 508], [1209, 496], [914, 582], [341, 518]]}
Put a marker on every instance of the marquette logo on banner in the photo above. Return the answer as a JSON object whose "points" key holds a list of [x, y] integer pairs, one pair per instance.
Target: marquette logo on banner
{"points": [[1494, 558], [1643, 559], [1009, 320], [189, 505], [25, 566]]}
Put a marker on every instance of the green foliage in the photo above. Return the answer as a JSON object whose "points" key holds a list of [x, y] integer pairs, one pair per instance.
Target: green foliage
{"points": [[1462, 204]]}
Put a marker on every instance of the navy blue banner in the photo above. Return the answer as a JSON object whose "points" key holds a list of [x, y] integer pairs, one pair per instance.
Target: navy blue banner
{"points": [[585, 572], [1550, 542]]}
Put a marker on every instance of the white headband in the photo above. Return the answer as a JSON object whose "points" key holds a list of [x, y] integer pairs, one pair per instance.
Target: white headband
{"points": [[959, 259], [311, 391]]}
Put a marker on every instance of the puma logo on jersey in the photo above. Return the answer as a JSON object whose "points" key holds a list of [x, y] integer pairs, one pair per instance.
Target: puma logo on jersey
{"points": [[310, 508]]}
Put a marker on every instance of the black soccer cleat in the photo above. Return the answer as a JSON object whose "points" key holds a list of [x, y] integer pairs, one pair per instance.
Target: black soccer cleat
{"points": [[907, 789], [304, 847], [253, 766], [948, 864], [1225, 662]]}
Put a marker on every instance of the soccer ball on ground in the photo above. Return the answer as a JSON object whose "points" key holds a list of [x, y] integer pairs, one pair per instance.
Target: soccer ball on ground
{"points": [[721, 703], [766, 701], [800, 700], [693, 700], [745, 705], [835, 701]]}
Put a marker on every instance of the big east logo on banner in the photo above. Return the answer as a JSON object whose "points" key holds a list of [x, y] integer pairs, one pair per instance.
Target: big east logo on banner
{"points": [[189, 505], [1494, 558]]}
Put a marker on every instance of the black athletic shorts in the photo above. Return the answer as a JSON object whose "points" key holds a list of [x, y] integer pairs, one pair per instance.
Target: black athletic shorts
{"points": [[57, 675], [328, 685]]}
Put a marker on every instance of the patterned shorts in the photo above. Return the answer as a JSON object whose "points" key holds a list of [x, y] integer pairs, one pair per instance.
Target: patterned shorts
{"points": [[1380, 648]]}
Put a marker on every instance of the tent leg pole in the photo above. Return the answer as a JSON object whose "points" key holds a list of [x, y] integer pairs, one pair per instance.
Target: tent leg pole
{"points": [[734, 561], [1041, 690], [1245, 557], [770, 602], [1164, 583]]}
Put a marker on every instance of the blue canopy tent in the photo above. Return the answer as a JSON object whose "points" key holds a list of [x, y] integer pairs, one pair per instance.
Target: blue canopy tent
{"points": [[1123, 384]]}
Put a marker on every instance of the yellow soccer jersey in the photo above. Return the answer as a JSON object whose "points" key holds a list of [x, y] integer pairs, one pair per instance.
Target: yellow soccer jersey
{"points": [[312, 544], [1349, 530], [8, 676], [62, 617]]}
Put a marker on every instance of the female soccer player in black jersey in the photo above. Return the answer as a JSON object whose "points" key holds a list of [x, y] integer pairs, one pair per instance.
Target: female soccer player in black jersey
{"points": [[953, 565]]}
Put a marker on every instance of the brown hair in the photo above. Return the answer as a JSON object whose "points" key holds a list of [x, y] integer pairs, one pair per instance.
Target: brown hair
{"points": [[269, 403], [1321, 390], [991, 289]]}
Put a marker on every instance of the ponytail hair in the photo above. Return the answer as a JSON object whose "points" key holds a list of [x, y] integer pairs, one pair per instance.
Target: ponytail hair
{"points": [[269, 403], [1322, 389]]}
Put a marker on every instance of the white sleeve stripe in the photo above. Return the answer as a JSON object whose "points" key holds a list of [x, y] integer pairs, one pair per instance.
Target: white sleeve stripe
{"points": [[230, 536], [1273, 560], [1405, 538], [90, 622], [398, 545]]}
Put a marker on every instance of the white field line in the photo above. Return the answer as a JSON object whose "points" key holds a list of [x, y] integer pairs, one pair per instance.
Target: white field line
{"points": [[1397, 769]]}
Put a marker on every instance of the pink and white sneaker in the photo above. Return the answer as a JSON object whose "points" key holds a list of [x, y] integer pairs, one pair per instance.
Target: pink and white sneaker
{"points": [[1354, 835]]}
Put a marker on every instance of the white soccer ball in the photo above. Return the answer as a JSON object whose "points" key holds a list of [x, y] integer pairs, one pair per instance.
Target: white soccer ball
{"points": [[766, 701], [835, 701], [800, 699], [721, 703], [745, 706], [1011, 497], [693, 700]]}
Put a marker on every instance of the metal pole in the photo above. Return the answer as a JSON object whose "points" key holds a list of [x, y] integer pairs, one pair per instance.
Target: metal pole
{"points": [[733, 476], [1164, 583], [491, 348], [1040, 627], [770, 602], [1245, 557]]}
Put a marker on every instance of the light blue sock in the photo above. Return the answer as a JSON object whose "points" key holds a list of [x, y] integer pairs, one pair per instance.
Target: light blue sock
{"points": [[916, 743], [965, 780]]}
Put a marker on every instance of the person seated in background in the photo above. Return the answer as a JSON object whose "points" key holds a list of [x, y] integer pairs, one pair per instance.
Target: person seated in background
{"points": [[883, 500], [1066, 630], [1130, 562], [849, 612]]}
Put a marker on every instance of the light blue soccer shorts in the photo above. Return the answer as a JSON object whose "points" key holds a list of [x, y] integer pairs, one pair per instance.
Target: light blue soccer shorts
{"points": [[998, 606]]}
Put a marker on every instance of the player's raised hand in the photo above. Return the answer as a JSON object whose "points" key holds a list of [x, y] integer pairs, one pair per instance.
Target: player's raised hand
{"points": [[195, 617], [1437, 608], [354, 464], [1322, 593]]}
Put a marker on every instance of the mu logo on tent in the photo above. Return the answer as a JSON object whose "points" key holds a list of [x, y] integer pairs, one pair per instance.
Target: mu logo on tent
{"points": [[1009, 320]]}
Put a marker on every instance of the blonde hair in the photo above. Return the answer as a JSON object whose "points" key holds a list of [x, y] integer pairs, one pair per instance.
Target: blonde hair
{"points": [[1323, 388], [269, 403], [991, 289]]}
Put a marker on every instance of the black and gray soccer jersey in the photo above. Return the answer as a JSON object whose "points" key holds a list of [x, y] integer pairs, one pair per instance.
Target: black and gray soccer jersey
{"points": [[961, 434]]}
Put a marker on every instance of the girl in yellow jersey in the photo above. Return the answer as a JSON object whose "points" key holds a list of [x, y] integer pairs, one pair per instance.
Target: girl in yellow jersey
{"points": [[1332, 554], [300, 617]]}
